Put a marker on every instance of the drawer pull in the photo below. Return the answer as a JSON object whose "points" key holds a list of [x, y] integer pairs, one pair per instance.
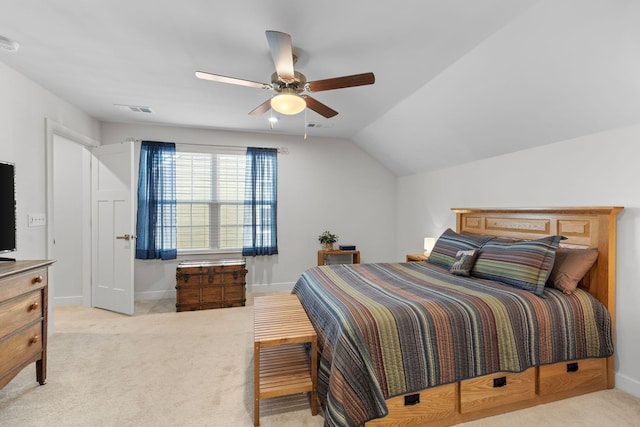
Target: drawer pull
{"points": [[499, 382], [37, 279], [34, 306], [572, 367], [34, 339], [412, 399]]}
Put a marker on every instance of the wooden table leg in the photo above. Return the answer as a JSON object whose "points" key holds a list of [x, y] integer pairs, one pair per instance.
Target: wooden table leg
{"points": [[314, 376], [256, 384]]}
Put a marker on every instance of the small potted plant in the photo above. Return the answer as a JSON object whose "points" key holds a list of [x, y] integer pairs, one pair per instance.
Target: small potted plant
{"points": [[328, 239]]}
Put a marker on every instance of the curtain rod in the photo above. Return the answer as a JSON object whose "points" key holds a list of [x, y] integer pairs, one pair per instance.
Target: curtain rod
{"points": [[281, 150]]}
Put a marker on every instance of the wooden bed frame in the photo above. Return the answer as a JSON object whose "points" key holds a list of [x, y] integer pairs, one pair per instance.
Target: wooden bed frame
{"points": [[584, 227]]}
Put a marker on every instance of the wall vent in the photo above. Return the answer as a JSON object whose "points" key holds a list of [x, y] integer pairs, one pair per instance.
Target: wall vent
{"points": [[135, 108]]}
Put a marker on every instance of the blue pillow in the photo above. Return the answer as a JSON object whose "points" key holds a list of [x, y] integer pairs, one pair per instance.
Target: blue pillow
{"points": [[449, 243], [525, 265]]}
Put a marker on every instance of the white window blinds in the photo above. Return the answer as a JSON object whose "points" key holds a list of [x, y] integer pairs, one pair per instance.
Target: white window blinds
{"points": [[210, 201]]}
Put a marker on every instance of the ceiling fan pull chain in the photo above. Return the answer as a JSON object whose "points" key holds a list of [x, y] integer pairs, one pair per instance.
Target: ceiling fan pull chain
{"points": [[306, 125], [271, 119]]}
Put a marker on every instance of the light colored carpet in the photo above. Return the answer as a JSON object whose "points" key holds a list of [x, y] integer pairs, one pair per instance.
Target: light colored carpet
{"points": [[162, 368]]}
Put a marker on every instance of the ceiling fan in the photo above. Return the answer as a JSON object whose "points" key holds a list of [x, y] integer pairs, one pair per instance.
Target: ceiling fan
{"points": [[289, 84]]}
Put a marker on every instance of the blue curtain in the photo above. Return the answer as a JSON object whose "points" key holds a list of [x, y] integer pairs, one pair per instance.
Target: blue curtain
{"points": [[260, 204], [156, 226]]}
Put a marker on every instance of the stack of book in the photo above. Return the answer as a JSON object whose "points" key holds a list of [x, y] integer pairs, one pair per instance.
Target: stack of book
{"points": [[347, 247]]}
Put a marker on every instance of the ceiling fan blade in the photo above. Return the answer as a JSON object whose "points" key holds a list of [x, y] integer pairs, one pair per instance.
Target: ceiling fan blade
{"points": [[232, 80], [319, 107], [342, 82], [282, 54], [261, 109]]}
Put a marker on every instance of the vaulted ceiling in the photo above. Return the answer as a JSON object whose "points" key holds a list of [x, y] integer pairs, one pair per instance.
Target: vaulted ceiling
{"points": [[456, 80]]}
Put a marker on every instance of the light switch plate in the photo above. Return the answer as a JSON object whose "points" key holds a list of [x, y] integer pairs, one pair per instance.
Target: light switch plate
{"points": [[37, 220]]}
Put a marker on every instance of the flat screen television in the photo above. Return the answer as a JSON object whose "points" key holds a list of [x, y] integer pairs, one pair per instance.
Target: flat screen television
{"points": [[7, 207]]}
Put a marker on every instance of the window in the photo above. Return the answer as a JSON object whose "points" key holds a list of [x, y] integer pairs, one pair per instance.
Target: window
{"points": [[210, 201]]}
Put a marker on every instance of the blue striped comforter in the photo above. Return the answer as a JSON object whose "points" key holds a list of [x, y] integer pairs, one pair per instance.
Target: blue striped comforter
{"points": [[392, 328]]}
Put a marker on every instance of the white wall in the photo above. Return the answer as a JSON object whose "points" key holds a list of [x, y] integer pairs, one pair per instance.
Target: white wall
{"points": [[596, 170], [322, 184], [23, 108]]}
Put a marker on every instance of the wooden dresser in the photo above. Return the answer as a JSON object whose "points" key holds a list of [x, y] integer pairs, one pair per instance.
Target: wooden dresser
{"points": [[201, 285], [23, 318]]}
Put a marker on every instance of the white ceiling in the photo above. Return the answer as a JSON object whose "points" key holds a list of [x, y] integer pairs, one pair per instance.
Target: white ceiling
{"points": [[456, 80]]}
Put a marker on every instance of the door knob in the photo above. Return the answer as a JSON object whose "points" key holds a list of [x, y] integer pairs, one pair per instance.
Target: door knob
{"points": [[125, 237]]}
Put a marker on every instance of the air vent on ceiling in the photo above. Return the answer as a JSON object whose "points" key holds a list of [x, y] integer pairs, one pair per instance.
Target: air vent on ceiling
{"points": [[135, 108], [8, 45], [319, 125]]}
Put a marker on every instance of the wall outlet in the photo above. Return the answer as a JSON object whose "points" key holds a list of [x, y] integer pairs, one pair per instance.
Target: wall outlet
{"points": [[37, 220]]}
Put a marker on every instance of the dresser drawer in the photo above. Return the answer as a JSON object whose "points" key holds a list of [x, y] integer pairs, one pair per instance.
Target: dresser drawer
{"points": [[423, 407], [20, 311], [498, 389], [21, 346], [580, 377], [21, 283], [23, 318]]}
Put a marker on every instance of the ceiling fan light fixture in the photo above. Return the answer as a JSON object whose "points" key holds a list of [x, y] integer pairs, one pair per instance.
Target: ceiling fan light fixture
{"points": [[288, 102]]}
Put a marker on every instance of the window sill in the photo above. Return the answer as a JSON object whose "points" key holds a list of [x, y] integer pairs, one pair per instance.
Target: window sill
{"points": [[188, 253]]}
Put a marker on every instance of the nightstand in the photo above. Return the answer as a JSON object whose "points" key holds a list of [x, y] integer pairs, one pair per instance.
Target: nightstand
{"points": [[416, 257], [322, 256]]}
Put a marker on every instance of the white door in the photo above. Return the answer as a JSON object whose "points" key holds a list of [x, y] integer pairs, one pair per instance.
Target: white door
{"points": [[113, 227], [71, 222]]}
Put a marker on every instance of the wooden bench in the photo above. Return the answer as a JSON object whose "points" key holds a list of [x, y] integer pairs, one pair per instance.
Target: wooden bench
{"points": [[281, 363]]}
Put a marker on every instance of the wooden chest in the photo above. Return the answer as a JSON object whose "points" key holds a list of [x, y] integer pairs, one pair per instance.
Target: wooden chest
{"points": [[201, 285]]}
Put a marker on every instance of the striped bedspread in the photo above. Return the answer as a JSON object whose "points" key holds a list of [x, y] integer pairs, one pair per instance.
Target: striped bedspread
{"points": [[392, 328]]}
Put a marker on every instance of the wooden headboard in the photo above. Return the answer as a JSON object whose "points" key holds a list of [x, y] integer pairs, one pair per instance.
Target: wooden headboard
{"points": [[584, 227]]}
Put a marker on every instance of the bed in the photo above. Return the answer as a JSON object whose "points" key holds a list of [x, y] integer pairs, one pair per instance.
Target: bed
{"points": [[414, 344]]}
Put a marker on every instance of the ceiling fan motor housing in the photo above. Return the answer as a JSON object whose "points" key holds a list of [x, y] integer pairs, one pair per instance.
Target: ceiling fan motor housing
{"points": [[298, 83]]}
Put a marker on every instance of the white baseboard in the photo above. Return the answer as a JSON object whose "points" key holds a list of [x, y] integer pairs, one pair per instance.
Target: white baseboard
{"points": [[155, 295], [139, 296], [270, 287], [628, 385], [77, 300]]}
